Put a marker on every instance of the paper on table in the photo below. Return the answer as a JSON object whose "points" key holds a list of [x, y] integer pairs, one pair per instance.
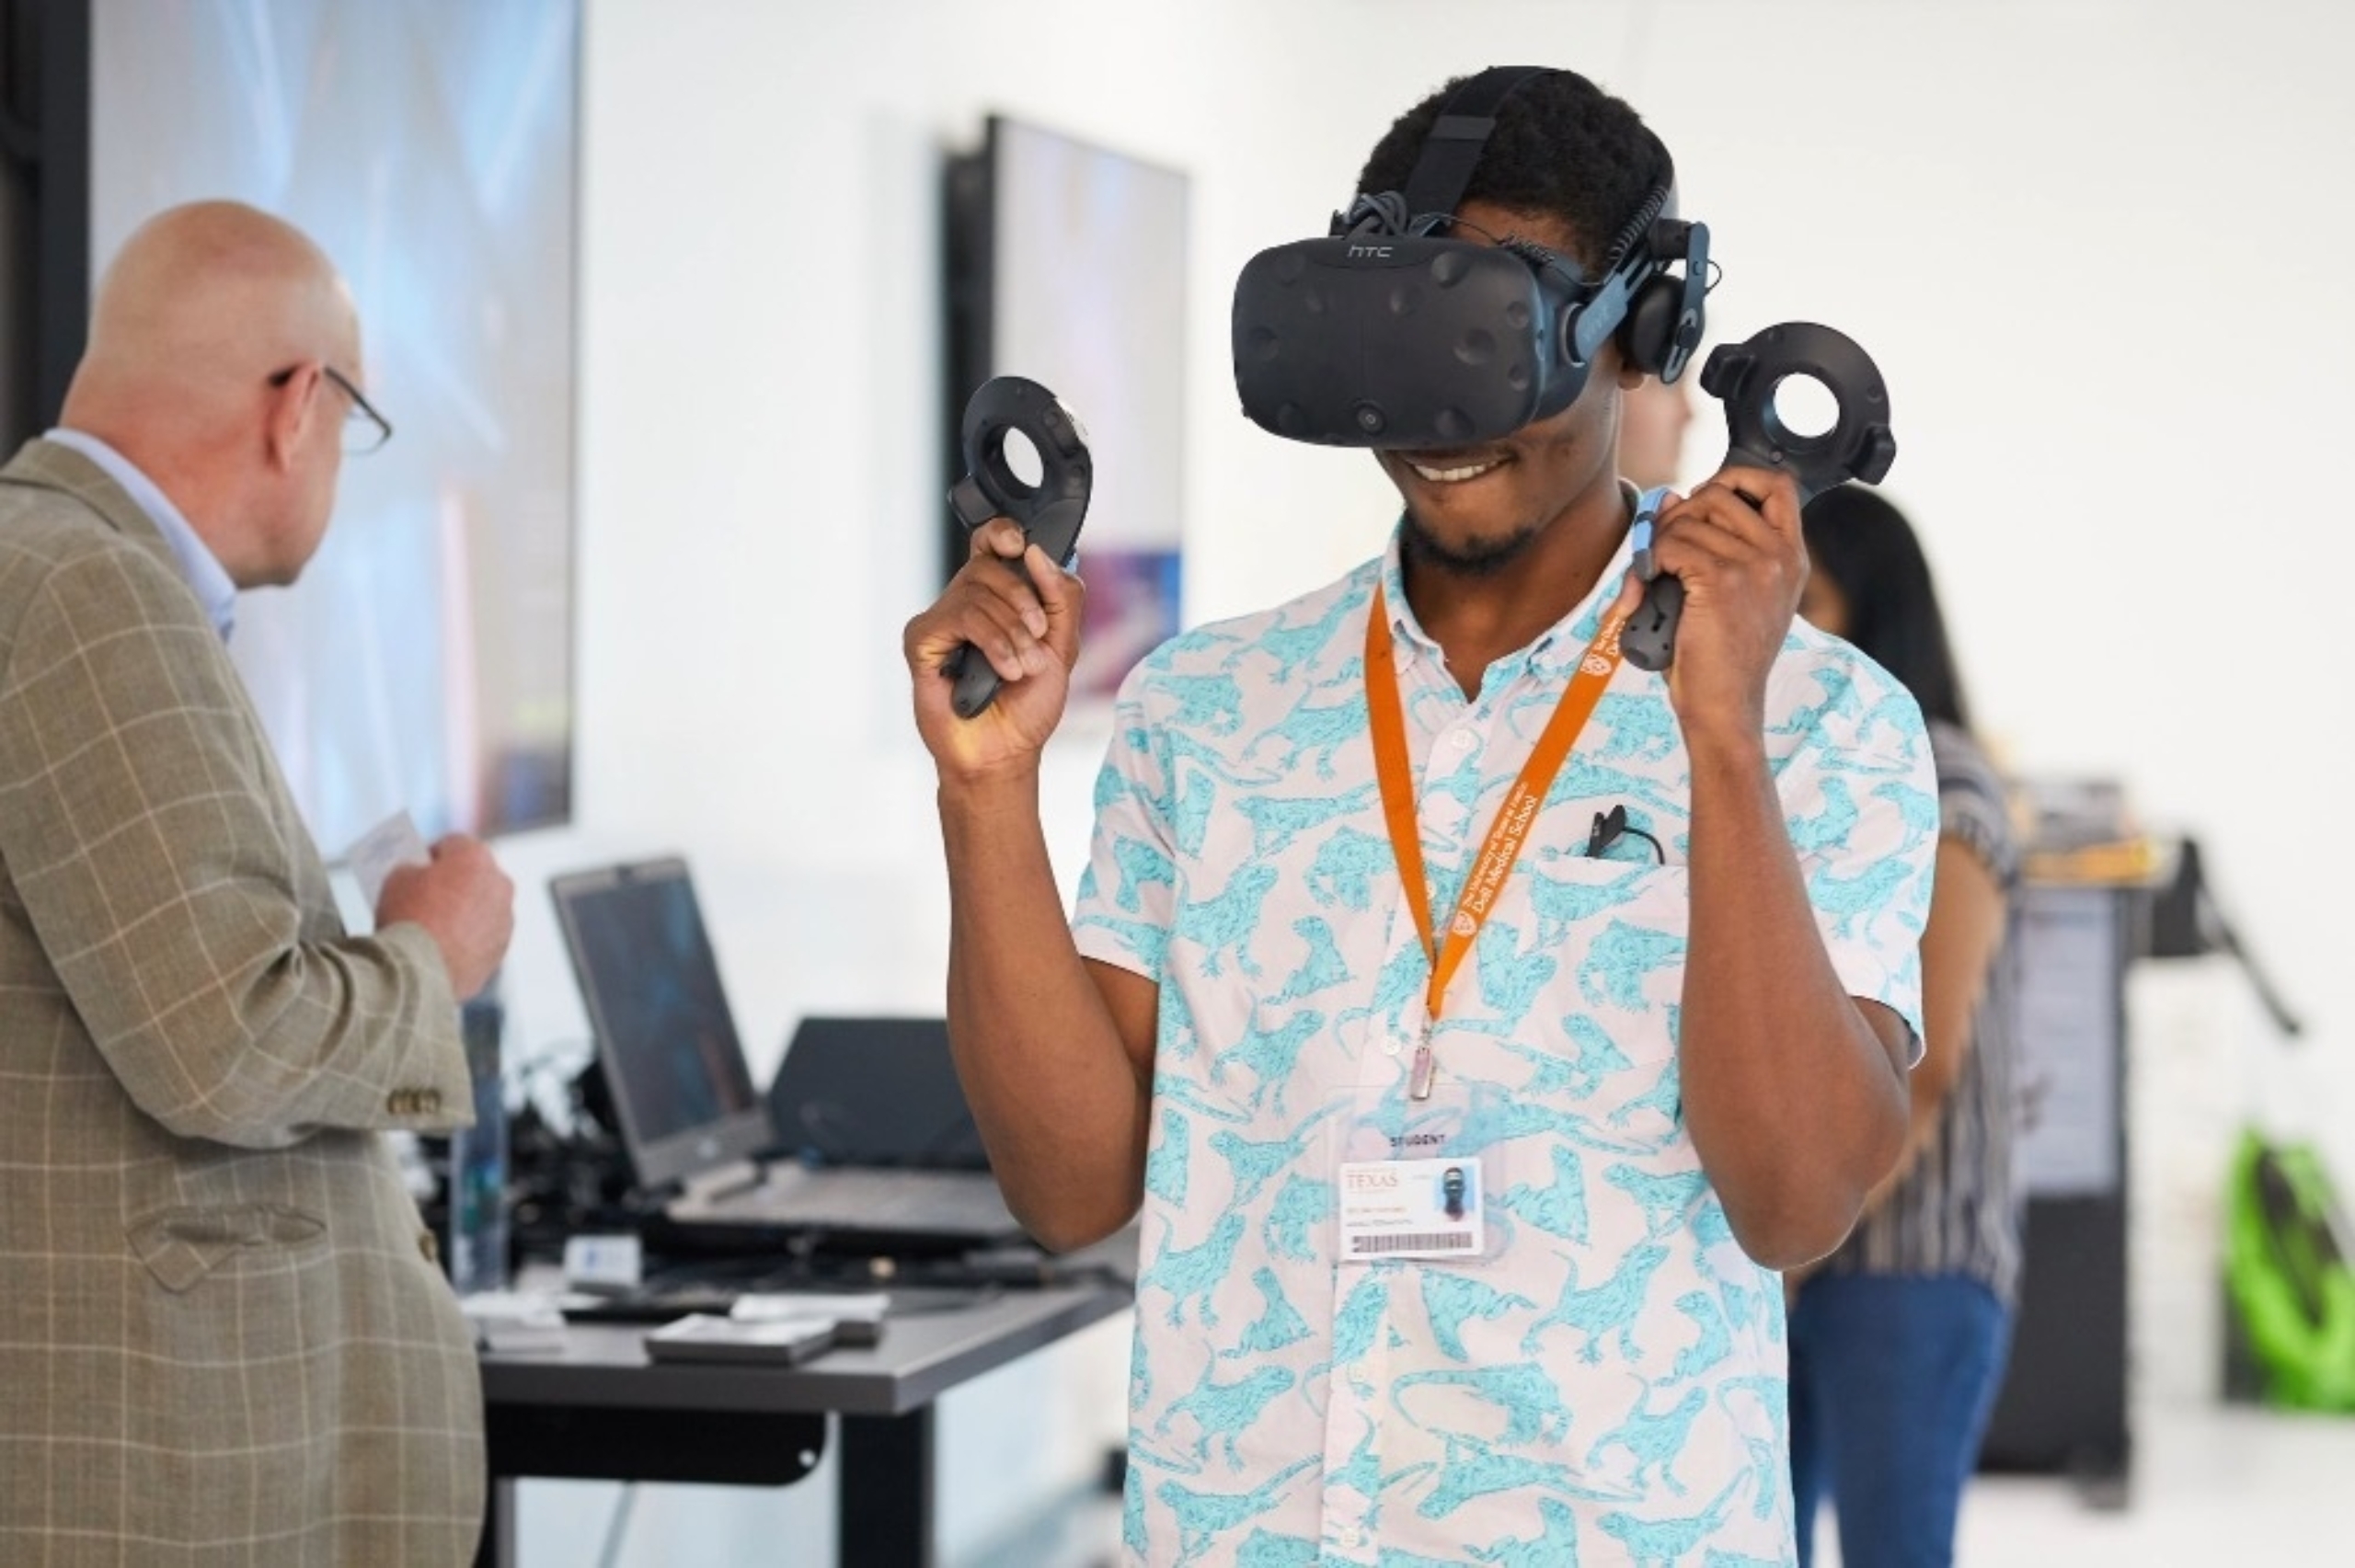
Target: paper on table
{"points": [[394, 842]]}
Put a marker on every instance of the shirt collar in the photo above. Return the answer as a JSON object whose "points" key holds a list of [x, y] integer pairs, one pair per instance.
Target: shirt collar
{"points": [[1557, 647], [199, 567]]}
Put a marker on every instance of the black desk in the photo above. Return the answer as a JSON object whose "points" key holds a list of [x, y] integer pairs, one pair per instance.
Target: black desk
{"points": [[598, 1410]]}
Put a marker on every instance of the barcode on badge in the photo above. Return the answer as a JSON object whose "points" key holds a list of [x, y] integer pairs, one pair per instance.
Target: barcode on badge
{"points": [[1412, 1241]]}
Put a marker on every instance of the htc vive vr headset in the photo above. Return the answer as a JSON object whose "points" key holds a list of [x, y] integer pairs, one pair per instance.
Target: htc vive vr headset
{"points": [[1389, 333]]}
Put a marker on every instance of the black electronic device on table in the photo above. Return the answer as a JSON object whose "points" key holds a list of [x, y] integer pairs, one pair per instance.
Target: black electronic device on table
{"points": [[1048, 509], [1748, 376]]}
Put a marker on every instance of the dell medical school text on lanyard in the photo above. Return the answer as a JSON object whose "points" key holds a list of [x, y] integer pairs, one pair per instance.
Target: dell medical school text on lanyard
{"points": [[1395, 774]]}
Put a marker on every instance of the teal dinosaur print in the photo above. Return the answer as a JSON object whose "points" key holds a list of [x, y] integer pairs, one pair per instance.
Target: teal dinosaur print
{"points": [[1716, 1341], [1165, 1171], [1255, 1163], [1192, 1274], [1614, 1305], [1831, 826], [1475, 1469], [1321, 730], [1278, 1325], [1321, 967], [1227, 921], [1347, 866], [1268, 1055], [1663, 1199], [1653, 1439], [1669, 1541], [1289, 648], [1265, 1551], [1555, 1546], [1303, 1205], [1453, 1299], [1522, 1392], [1558, 1209], [1203, 1517], [1622, 960], [1223, 1411], [1278, 821]]}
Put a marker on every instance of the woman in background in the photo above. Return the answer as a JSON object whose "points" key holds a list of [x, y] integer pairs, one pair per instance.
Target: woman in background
{"points": [[1898, 1340]]}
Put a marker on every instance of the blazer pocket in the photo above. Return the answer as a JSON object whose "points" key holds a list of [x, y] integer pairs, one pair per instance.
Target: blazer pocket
{"points": [[180, 1246]]}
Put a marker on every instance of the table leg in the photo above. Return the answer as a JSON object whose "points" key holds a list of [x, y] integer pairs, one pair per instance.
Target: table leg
{"points": [[884, 1489]]}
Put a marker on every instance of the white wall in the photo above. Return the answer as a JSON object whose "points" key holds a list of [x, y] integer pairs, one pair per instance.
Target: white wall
{"points": [[2092, 246]]}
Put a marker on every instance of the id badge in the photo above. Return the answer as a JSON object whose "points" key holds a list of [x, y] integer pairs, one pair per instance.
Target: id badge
{"points": [[1413, 1176], [1410, 1208]]}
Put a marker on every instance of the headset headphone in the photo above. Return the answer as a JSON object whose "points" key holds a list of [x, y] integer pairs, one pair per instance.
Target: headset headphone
{"points": [[1385, 334]]}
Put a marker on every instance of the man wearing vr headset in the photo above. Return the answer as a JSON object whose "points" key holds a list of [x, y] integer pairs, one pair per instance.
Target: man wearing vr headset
{"points": [[1648, 978]]}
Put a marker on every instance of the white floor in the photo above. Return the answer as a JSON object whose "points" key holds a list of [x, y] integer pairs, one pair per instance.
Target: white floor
{"points": [[2212, 1486]]}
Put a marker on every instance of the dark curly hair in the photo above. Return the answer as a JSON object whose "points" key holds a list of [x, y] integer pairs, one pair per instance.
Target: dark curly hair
{"points": [[1562, 148]]}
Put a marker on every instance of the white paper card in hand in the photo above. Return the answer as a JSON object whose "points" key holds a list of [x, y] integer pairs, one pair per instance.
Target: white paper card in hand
{"points": [[392, 842]]}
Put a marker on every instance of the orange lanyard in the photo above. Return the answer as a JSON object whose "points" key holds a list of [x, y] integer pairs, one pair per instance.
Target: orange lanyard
{"points": [[1395, 773]]}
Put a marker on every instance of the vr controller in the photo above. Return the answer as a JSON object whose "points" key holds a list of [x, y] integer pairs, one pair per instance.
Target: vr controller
{"points": [[1049, 511], [1747, 376]]}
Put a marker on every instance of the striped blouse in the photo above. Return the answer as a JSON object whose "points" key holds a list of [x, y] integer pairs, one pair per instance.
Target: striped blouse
{"points": [[1958, 1211]]}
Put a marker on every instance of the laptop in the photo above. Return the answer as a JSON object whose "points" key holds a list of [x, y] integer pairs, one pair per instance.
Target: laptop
{"points": [[862, 1141]]}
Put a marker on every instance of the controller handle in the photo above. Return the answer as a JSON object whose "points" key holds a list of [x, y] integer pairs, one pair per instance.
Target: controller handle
{"points": [[1746, 376], [1049, 512]]}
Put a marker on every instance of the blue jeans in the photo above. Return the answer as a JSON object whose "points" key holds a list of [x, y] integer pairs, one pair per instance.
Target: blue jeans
{"points": [[1892, 1377]]}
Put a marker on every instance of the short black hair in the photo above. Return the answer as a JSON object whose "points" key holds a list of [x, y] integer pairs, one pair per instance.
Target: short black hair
{"points": [[1864, 546], [1562, 147]]}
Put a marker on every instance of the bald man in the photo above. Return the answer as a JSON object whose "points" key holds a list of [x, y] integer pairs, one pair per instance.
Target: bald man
{"points": [[224, 1337]]}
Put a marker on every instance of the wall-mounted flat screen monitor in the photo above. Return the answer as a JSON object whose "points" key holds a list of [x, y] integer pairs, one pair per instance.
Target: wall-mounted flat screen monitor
{"points": [[424, 661]]}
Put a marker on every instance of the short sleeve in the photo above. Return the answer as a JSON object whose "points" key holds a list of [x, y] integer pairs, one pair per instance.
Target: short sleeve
{"points": [[1860, 797], [1128, 893]]}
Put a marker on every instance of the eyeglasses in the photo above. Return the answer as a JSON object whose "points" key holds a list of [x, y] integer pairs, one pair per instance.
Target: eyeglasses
{"points": [[364, 429]]}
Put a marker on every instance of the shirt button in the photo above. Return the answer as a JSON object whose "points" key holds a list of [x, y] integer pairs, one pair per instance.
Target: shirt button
{"points": [[428, 1246], [1390, 1044], [1463, 740], [1352, 1538]]}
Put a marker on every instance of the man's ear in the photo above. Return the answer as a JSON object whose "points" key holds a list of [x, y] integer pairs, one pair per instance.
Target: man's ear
{"points": [[292, 406]]}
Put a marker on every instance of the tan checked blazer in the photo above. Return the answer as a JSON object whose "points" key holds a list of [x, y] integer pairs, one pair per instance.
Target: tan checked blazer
{"points": [[224, 1336]]}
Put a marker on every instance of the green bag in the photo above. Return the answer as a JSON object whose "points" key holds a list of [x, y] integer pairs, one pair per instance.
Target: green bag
{"points": [[2289, 1275]]}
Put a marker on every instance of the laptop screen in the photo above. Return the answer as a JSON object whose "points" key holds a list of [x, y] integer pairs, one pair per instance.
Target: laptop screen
{"points": [[665, 1037]]}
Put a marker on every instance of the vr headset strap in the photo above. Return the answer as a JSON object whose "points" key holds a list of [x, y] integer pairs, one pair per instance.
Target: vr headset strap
{"points": [[1443, 168]]}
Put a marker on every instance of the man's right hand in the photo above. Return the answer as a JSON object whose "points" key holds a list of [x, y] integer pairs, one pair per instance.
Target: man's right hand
{"points": [[463, 902], [1025, 623]]}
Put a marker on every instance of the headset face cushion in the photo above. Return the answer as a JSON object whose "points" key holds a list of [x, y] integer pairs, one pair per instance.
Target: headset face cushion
{"points": [[1400, 341]]}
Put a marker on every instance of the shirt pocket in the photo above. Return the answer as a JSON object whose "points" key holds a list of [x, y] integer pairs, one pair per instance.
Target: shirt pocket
{"points": [[1616, 933]]}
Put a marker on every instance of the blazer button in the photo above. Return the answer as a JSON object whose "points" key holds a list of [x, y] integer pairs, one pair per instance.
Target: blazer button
{"points": [[429, 1100], [401, 1102], [428, 1246]]}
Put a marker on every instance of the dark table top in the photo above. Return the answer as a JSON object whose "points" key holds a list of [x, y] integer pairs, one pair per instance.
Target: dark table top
{"points": [[931, 1341]]}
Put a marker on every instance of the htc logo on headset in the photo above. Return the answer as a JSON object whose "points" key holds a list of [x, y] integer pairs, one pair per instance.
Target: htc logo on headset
{"points": [[1371, 252]]}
